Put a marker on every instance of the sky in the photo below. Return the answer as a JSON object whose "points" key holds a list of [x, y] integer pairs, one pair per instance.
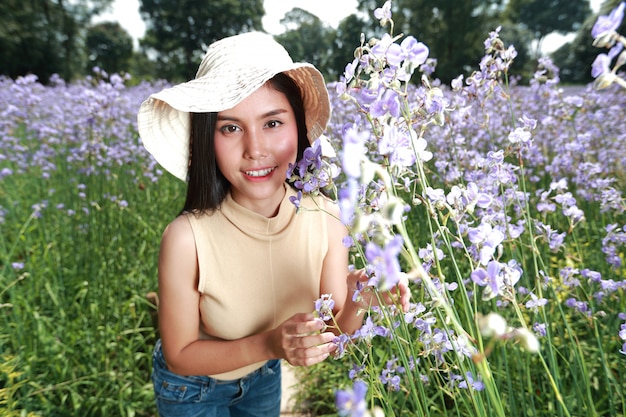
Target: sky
{"points": [[126, 12]]}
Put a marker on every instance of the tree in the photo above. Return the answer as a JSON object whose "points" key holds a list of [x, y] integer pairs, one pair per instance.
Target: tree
{"points": [[543, 17], [177, 31], [44, 37], [307, 39], [347, 39], [576, 57], [109, 47], [453, 30]]}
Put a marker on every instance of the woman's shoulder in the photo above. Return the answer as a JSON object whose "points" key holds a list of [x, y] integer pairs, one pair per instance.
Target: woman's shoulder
{"points": [[316, 201], [327, 204], [178, 233]]}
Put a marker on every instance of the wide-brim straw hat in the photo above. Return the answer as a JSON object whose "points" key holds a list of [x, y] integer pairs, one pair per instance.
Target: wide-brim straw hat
{"points": [[232, 69]]}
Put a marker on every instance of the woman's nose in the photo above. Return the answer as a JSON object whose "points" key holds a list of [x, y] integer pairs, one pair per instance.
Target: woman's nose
{"points": [[256, 146]]}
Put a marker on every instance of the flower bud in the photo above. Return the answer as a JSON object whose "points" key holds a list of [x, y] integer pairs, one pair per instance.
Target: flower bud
{"points": [[393, 210], [605, 41], [604, 81], [527, 339], [491, 325]]}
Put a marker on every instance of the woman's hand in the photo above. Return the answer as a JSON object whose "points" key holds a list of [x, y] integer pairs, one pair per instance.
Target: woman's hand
{"points": [[398, 295], [301, 340]]}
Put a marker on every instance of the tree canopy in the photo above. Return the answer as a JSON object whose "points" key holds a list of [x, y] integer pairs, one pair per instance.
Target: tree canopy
{"points": [[453, 30], [109, 46], [177, 31], [542, 17], [44, 37]]}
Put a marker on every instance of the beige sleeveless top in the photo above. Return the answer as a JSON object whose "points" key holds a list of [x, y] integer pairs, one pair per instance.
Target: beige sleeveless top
{"points": [[255, 272]]}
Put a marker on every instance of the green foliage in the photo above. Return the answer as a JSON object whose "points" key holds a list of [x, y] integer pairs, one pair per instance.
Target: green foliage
{"points": [[575, 57], [78, 253], [44, 37], [77, 322], [308, 39], [453, 30], [109, 47], [542, 17], [178, 31], [557, 357]]}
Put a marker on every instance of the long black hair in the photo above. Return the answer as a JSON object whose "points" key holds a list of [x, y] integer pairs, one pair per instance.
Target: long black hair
{"points": [[206, 185]]}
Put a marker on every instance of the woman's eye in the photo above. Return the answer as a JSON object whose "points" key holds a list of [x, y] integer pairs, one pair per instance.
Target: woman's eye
{"points": [[273, 123], [229, 129]]}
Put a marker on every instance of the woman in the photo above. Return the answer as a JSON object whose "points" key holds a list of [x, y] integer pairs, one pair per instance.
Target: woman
{"points": [[239, 268]]}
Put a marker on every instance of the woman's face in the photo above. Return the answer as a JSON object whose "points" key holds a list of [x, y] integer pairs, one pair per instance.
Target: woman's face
{"points": [[255, 142]]}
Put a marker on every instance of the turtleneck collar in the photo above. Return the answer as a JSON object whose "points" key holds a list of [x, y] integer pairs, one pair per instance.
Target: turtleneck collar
{"points": [[251, 222]]}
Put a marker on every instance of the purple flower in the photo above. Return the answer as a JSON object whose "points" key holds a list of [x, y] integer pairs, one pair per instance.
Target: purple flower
{"points": [[385, 263], [581, 306], [497, 277], [350, 69], [17, 265], [414, 311], [353, 151], [413, 51], [487, 239], [393, 55], [389, 375], [296, 199], [519, 135], [607, 24], [313, 155], [540, 329], [602, 64], [470, 382], [356, 371], [341, 342], [536, 302], [369, 330], [489, 277], [351, 402], [387, 103], [384, 12], [5, 172], [397, 146], [348, 196], [324, 307]]}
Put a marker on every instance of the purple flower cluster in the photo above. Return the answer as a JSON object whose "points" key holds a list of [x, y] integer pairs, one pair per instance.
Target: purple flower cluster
{"points": [[605, 35], [315, 172], [85, 129], [516, 204], [352, 402]]}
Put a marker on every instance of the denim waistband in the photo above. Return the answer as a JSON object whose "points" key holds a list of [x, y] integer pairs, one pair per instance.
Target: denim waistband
{"points": [[263, 370]]}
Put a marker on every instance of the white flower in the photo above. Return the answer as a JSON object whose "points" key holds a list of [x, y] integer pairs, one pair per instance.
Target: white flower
{"points": [[528, 340], [492, 325]]}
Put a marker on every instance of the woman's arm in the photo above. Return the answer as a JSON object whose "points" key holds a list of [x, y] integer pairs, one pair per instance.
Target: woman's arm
{"points": [[341, 283], [334, 272], [179, 320]]}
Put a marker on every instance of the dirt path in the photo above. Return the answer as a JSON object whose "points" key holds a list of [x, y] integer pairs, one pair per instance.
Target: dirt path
{"points": [[288, 383]]}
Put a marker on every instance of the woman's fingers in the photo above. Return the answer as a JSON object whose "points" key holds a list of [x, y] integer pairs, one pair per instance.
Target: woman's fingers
{"points": [[304, 342]]}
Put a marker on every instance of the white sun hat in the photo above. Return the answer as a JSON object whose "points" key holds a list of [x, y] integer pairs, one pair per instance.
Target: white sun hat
{"points": [[232, 69]]}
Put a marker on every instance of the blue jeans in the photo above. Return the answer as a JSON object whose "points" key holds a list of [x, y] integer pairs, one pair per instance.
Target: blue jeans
{"points": [[255, 395]]}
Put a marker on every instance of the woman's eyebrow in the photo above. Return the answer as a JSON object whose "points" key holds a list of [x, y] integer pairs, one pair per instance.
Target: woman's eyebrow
{"points": [[270, 113]]}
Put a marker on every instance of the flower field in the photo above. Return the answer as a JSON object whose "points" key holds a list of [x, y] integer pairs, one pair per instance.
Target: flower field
{"points": [[502, 205]]}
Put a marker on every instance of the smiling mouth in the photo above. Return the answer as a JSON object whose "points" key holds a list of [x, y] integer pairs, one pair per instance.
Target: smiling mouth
{"points": [[260, 173]]}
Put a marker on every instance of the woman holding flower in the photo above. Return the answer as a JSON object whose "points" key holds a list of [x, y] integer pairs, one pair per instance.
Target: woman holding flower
{"points": [[240, 268]]}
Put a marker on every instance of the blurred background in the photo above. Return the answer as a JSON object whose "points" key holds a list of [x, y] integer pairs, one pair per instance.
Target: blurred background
{"points": [[165, 39]]}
